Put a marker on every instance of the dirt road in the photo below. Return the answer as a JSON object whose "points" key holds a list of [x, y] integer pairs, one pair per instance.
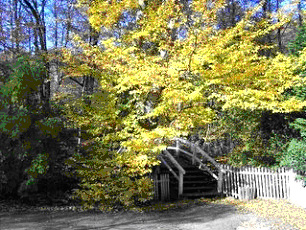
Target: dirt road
{"points": [[198, 217]]}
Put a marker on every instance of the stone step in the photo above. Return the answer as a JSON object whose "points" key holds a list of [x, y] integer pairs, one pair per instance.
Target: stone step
{"points": [[196, 176], [196, 171], [199, 182], [199, 188], [201, 194]]}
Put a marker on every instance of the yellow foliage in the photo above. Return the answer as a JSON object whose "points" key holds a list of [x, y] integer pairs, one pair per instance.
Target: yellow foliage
{"points": [[209, 65]]}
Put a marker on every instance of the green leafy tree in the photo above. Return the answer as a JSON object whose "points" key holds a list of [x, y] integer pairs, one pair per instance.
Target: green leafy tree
{"points": [[295, 156], [299, 43], [31, 142]]}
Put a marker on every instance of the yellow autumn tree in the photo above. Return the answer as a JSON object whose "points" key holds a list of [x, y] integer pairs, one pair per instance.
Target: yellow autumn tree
{"points": [[146, 99]]}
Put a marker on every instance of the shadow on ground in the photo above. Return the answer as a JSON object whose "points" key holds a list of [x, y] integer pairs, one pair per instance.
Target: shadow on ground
{"points": [[201, 217]]}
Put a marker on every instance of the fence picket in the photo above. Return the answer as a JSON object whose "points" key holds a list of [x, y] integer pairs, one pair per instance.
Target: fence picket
{"points": [[238, 182], [259, 188], [269, 183], [156, 193], [228, 181], [282, 182], [255, 184], [225, 178], [233, 183], [276, 184], [253, 179], [164, 187], [272, 184], [281, 194], [266, 182], [285, 183], [250, 176]]}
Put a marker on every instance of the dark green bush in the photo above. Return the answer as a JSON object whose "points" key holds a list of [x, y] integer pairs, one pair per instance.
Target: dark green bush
{"points": [[295, 155], [34, 146]]}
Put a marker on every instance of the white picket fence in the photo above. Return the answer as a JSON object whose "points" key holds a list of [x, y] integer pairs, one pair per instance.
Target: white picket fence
{"points": [[266, 183]]}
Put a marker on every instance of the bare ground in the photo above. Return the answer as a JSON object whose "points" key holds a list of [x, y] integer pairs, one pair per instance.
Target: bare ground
{"points": [[197, 216], [203, 214]]}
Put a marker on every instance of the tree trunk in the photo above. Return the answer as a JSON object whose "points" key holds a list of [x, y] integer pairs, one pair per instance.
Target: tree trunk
{"points": [[89, 81], [233, 13], [17, 26], [267, 38], [300, 13], [265, 9], [279, 37], [40, 33], [56, 25]]}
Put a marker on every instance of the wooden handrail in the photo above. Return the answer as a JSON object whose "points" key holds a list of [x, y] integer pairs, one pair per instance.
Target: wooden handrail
{"points": [[169, 167], [202, 152], [181, 172], [197, 160], [172, 159]]}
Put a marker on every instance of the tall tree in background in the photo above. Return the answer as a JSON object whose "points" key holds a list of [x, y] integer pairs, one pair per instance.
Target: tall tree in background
{"points": [[37, 11], [230, 14], [13, 38], [279, 37], [300, 13]]}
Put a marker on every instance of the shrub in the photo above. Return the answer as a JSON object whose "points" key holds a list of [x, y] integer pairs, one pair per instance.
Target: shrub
{"points": [[295, 156]]}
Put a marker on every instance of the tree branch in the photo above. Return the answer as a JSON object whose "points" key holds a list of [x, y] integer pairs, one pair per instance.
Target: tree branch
{"points": [[39, 23]]}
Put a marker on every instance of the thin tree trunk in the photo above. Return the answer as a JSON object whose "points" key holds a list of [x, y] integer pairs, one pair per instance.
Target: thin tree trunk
{"points": [[233, 12], [11, 28], [279, 37], [69, 25], [265, 9], [89, 81], [300, 13], [30, 40], [266, 6], [17, 25], [56, 25]]}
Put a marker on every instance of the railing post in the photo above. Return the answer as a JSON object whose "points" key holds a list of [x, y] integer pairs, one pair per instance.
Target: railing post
{"points": [[220, 180], [181, 182], [177, 146], [193, 154]]}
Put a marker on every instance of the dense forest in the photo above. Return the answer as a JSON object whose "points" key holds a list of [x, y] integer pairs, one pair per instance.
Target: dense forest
{"points": [[91, 91]]}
